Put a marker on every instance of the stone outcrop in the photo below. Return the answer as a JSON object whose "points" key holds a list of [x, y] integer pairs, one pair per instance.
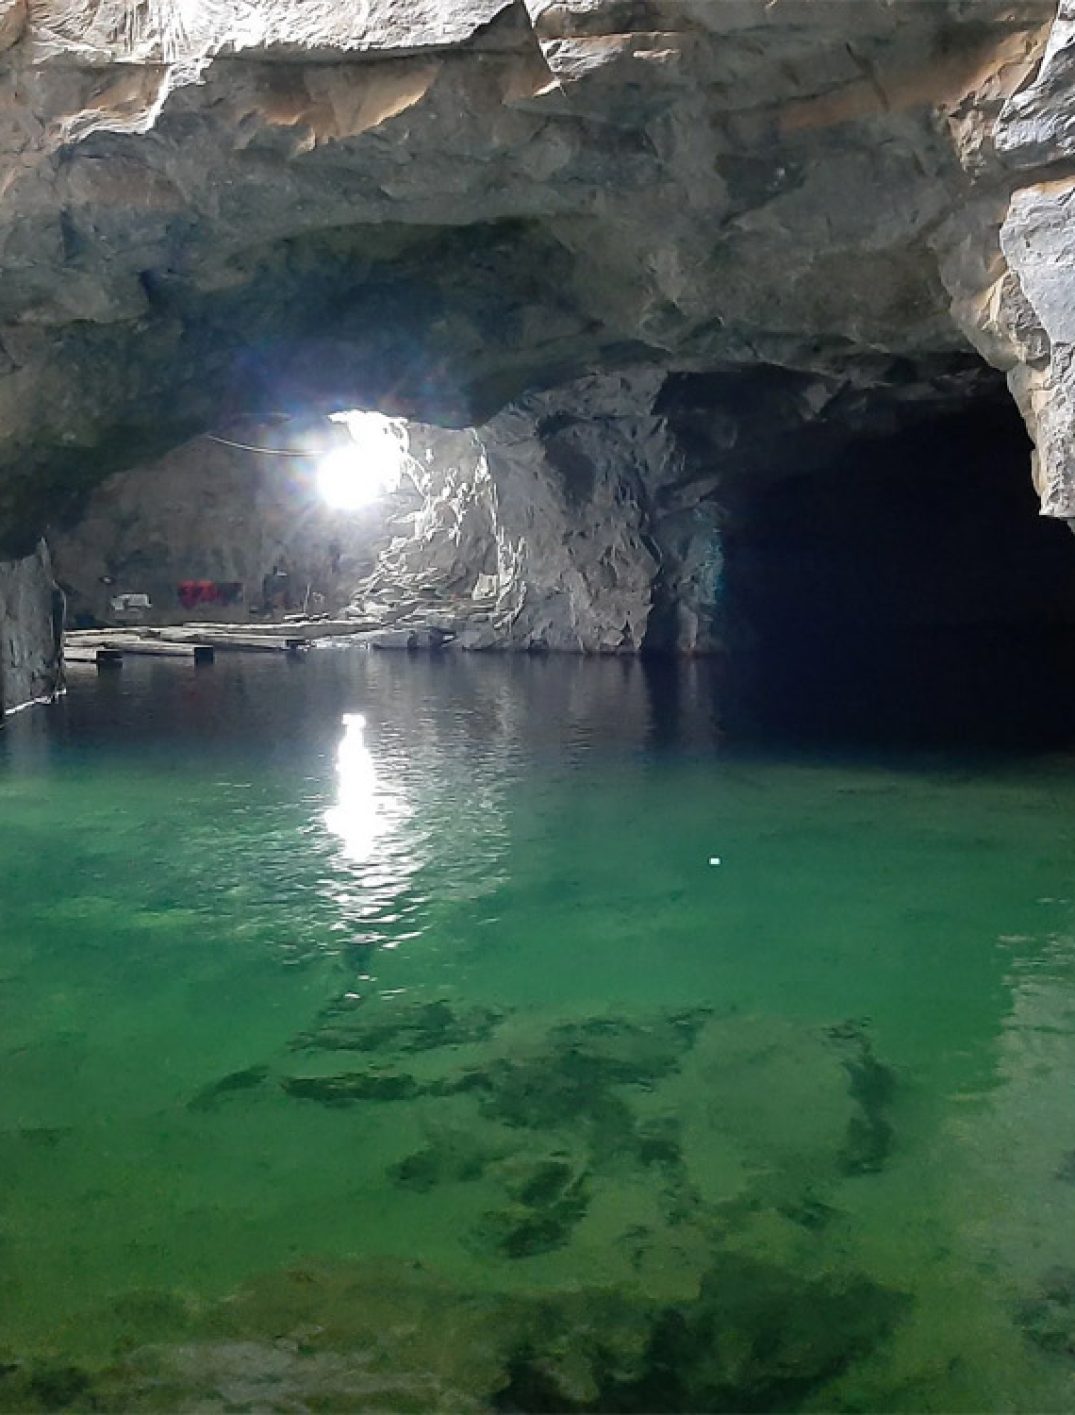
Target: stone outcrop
{"points": [[30, 669], [444, 210], [1037, 300]]}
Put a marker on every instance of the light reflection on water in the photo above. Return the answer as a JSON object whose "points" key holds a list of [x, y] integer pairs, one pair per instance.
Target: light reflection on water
{"points": [[403, 832], [376, 861], [365, 811]]}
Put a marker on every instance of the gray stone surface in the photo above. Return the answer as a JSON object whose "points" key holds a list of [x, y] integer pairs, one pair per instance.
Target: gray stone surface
{"points": [[472, 212], [30, 670], [438, 208]]}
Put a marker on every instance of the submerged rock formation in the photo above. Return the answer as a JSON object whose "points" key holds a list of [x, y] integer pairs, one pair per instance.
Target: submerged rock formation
{"points": [[443, 211]]}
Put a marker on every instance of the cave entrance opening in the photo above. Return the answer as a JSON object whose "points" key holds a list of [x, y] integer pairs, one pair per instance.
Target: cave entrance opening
{"points": [[907, 592]]}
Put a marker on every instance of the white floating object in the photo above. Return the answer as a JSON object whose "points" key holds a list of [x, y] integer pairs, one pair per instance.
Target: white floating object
{"points": [[714, 859]]}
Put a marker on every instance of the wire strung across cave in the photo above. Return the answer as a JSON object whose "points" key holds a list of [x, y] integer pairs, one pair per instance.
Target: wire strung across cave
{"points": [[249, 447]]}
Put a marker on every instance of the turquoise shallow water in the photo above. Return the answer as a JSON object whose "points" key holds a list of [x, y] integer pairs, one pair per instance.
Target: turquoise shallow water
{"points": [[377, 1033]]}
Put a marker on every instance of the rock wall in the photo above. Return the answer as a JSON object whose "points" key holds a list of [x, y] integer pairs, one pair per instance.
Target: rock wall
{"points": [[438, 208], [30, 667], [584, 519], [639, 249], [566, 523], [1009, 267], [1036, 305], [593, 554]]}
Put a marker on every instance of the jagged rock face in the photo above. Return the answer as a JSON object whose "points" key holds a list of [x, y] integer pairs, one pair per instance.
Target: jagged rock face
{"points": [[444, 207], [212, 208], [30, 667], [1036, 301]]}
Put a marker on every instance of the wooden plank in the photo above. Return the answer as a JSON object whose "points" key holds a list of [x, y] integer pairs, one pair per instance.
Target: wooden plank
{"points": [[84, 649], [240, 643], [93, 655], [150, 649], [181, 642]]}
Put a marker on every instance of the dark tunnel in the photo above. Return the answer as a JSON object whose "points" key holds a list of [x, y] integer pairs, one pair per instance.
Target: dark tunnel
{"points": [[909, 592]]}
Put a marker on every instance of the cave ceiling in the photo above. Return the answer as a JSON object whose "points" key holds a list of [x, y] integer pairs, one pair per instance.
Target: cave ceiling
{"points": [[216, 210]]}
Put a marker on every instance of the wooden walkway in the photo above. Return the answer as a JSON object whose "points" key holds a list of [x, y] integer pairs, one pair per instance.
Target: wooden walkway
{"points": [[198, 642]]}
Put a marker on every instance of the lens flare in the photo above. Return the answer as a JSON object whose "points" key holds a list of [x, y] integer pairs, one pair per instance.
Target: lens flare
{"points": [[356, 474]]}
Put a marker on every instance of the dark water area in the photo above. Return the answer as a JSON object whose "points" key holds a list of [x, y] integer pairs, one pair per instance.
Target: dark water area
{"points": [[399, 1033], [990, 687]]}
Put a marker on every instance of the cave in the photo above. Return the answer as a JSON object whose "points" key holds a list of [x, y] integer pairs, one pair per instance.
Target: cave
{"points": [[537, 705], [908, 591]]}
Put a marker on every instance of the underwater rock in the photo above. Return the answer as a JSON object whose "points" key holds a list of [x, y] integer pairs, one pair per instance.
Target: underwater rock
{"points": [[42, 1386], [449, 1159], [393, 1336], [870, 1135], [1048, 1318], [1065, 1170], [44, 1136], [549, 1199], [758, 1338], [658, 1146], [210, 1096], [809, 1212], [372, 1085], [574, 1080], [416, 1027]]}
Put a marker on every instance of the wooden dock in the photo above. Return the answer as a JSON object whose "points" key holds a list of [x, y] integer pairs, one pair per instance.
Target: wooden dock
{"points": [[85, 653], [199, 644], [202, 640]]}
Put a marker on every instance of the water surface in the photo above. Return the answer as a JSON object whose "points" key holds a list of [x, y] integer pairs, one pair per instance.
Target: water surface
{"points": [[382, 1032]]}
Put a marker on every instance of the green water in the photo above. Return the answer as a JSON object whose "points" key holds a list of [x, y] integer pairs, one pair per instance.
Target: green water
{"points": [[430, 1064]]}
